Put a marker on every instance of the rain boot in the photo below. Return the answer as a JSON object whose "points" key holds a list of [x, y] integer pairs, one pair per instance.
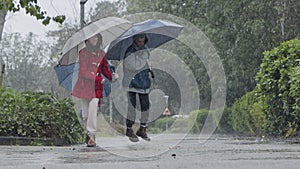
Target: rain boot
{"points": [[87, 138], [92, 141], [142, 133], [130, 134]]}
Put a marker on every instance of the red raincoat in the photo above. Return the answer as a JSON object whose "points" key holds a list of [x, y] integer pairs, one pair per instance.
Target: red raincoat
{"points": [[91, 67]]}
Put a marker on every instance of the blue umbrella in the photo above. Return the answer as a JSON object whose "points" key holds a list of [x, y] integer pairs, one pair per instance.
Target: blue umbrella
{"points": [[67, 75], [158, 32]]}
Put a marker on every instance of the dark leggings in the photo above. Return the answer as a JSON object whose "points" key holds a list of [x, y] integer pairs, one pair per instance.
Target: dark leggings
{"points": [[145, 104]]}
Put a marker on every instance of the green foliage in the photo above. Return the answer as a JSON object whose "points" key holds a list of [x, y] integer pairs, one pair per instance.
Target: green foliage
{"points": [[31, 8], [176, 125], [161, 123], [279, 81], [197, 119], [295, 88], [245, 117], [60, 19], [38, 115], [248, 116], [180, 125], [29, 64], [154, 130], [225, 125], [104, 9], [240, 31]]}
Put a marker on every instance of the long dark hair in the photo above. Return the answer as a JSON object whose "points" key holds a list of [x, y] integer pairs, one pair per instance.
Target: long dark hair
{"points": [[95, 48]]}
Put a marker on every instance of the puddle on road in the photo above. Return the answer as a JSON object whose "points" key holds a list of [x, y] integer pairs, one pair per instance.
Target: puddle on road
{"points": [[98, 155], [293, 142], [251, 142], [92, 149]]}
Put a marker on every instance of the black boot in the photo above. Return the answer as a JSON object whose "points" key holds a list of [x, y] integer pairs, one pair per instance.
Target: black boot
{"points": [[142, 133], [130, 134]]}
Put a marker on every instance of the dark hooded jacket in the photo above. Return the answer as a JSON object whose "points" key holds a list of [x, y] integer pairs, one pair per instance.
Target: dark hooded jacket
{"points": [[136, 76]]}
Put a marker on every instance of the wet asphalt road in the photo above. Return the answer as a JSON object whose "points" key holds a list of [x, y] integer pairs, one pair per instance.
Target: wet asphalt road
{"points": [[168, 151]]}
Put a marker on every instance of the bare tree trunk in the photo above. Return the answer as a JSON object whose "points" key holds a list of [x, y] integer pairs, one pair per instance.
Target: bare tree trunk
{"points": [[283, 20], [2, 74], [2, 21]]}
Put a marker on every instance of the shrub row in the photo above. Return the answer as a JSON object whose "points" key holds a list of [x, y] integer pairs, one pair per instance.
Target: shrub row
{"points": [[38, 115], [279, 83], [194, 123], [272, 108]]}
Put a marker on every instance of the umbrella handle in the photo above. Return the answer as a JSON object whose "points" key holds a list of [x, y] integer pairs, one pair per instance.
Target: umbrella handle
{"points": [[152, 74], [113, 69]]}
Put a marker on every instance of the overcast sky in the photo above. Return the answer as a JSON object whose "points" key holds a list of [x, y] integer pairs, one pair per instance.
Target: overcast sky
{"points": [[24, 23]]}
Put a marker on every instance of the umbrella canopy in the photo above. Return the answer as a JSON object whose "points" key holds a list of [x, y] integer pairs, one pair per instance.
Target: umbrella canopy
{"points": [[110, 28], [67, 75], [158, 32], [67, 69]]}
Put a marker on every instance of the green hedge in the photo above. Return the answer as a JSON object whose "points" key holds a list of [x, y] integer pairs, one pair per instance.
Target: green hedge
{"points": [[197, 120], [247, 117], [39, 115], [279, 82], [161, 123], [225, 125], [175, 125]]}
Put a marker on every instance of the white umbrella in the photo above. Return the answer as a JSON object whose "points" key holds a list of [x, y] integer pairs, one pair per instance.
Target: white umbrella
{"points": [[110, 28]]}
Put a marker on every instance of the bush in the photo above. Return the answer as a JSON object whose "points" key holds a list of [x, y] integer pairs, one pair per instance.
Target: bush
{"points": [[278, 79], [197, 119], [247, 115], [39, 115], [154, 130], [161, 123], [175, 125], [225, 126]]}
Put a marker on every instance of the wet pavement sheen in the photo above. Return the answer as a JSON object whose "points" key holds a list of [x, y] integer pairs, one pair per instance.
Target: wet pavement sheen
{"points": [[168, 151]]}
